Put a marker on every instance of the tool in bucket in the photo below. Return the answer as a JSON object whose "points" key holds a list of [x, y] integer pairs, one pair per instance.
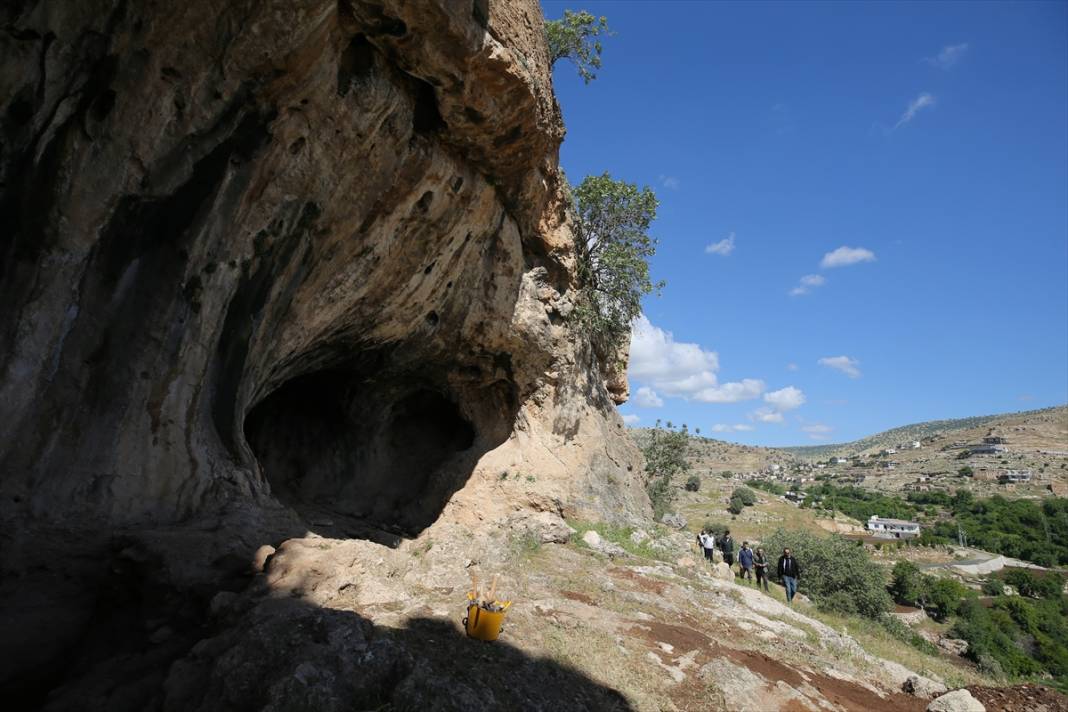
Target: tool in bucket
{"points": [[484, 615]]}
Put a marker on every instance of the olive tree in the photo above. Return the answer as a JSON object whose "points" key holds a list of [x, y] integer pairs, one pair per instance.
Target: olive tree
{"points": [[574, 37], [613, 244]]}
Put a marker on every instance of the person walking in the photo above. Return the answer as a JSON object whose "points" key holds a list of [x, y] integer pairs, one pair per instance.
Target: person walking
{"points": [[760, 563], [789, 573], [707, 545], [726, 545], [745, 561]]}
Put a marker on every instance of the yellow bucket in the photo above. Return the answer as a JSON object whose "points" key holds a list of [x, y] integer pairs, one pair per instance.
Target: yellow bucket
{"points": [[483, 624]]}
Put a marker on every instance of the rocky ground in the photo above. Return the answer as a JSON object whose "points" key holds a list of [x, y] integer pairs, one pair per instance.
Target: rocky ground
{"points": [[348, 624]]}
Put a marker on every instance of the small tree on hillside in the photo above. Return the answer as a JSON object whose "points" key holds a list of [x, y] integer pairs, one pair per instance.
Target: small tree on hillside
{"points": [[693, 483], [574, 37], [665, 457], [612, 220]]}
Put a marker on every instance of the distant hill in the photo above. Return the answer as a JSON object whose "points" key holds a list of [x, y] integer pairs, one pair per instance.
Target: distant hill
{"points": [[1054, 437]]}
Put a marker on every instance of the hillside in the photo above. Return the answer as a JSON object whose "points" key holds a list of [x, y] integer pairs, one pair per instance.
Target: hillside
{"points": [[1045, 429]]}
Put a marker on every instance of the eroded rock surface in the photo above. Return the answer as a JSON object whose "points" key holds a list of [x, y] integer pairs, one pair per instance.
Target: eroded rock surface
{"points": [[271, 267]]}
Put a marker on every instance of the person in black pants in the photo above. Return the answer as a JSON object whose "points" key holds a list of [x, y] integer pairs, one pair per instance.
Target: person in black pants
{"points": [[760, 563], [726, 545], [789, 573]]}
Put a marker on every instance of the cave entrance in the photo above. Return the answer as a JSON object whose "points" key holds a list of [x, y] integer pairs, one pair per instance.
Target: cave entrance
{"points": [[358, 457]]}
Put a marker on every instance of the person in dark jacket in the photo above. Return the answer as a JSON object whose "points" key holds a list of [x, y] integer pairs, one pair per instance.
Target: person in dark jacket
{"points": [[726, 545], [760, 563], [789, 573], [745, 561]]}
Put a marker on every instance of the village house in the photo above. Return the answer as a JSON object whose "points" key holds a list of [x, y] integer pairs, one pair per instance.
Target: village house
{"points": [[892, 528], [840, 461], [987, 449], [1014, 476]]}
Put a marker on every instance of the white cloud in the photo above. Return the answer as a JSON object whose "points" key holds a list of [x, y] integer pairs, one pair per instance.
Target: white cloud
{"points": [[723, 247], [950, 55], [736, 428], [845, 364], [684, 370], [669, 182], [766, 415], [792, 367], [779, 402], [817, 431], [922, 101], [784, 399], [630, 419], [746, 389], [845, 256], [807, 284], [647, 398]]}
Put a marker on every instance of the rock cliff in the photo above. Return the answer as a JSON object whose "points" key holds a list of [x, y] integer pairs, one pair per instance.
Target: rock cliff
{"points": [[271, 267]]}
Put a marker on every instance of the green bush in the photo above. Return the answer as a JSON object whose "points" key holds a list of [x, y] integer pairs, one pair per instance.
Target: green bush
{"points": [[1049, 584], [746, 495], [905, 634], [908, 585], [693, 483], [835, 572], [944, 597], [767, 486]]}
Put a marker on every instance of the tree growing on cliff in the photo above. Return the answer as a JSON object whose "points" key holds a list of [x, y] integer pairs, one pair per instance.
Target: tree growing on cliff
{"points": [[574, 37], [612, 240]]}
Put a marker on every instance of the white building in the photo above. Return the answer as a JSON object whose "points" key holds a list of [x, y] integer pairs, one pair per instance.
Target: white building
{"points": [[892, 528], [890, 451], [987, 449], [916, 445], [841, 461], [1014, 476]]}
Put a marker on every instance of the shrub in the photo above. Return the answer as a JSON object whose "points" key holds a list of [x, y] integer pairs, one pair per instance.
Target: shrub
{"points": [[693, 483], [1027, 583], [836, 572], [905, 634], [746, 495]]}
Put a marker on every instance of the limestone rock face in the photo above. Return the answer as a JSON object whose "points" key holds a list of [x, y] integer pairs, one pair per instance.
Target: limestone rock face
{"points": [[287, 265]]}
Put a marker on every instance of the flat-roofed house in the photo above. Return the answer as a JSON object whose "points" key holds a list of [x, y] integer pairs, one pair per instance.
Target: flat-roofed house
{"points": [[892, 528]]}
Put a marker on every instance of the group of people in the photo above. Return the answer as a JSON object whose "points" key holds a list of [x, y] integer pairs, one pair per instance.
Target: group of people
{"points": [[750, 562]]}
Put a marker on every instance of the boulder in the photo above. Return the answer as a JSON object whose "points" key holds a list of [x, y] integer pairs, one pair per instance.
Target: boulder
{"points": [[954, 646], [598, 544], [674, 519], [722, 571], [919, 686], [957, 701], [592, 539], [261, 556]]}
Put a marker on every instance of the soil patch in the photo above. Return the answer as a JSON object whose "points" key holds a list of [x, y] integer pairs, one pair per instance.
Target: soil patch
{"points": [[1020, 698], [580, 597], [646, 584], [682, 638]]}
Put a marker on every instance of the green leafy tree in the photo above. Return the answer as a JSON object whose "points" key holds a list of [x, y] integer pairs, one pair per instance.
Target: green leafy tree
{"points": [[665, 457], [574, 37], [693, 483], [612, 220], [966, 471], [836, 572], [944, 597], [908, 585]]}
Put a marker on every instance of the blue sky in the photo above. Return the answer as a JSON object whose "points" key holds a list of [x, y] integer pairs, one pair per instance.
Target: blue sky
{"points": [[929, 139]]}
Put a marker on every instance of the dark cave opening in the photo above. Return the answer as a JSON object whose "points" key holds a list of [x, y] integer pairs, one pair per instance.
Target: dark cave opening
{"points": [[354, 455]]}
